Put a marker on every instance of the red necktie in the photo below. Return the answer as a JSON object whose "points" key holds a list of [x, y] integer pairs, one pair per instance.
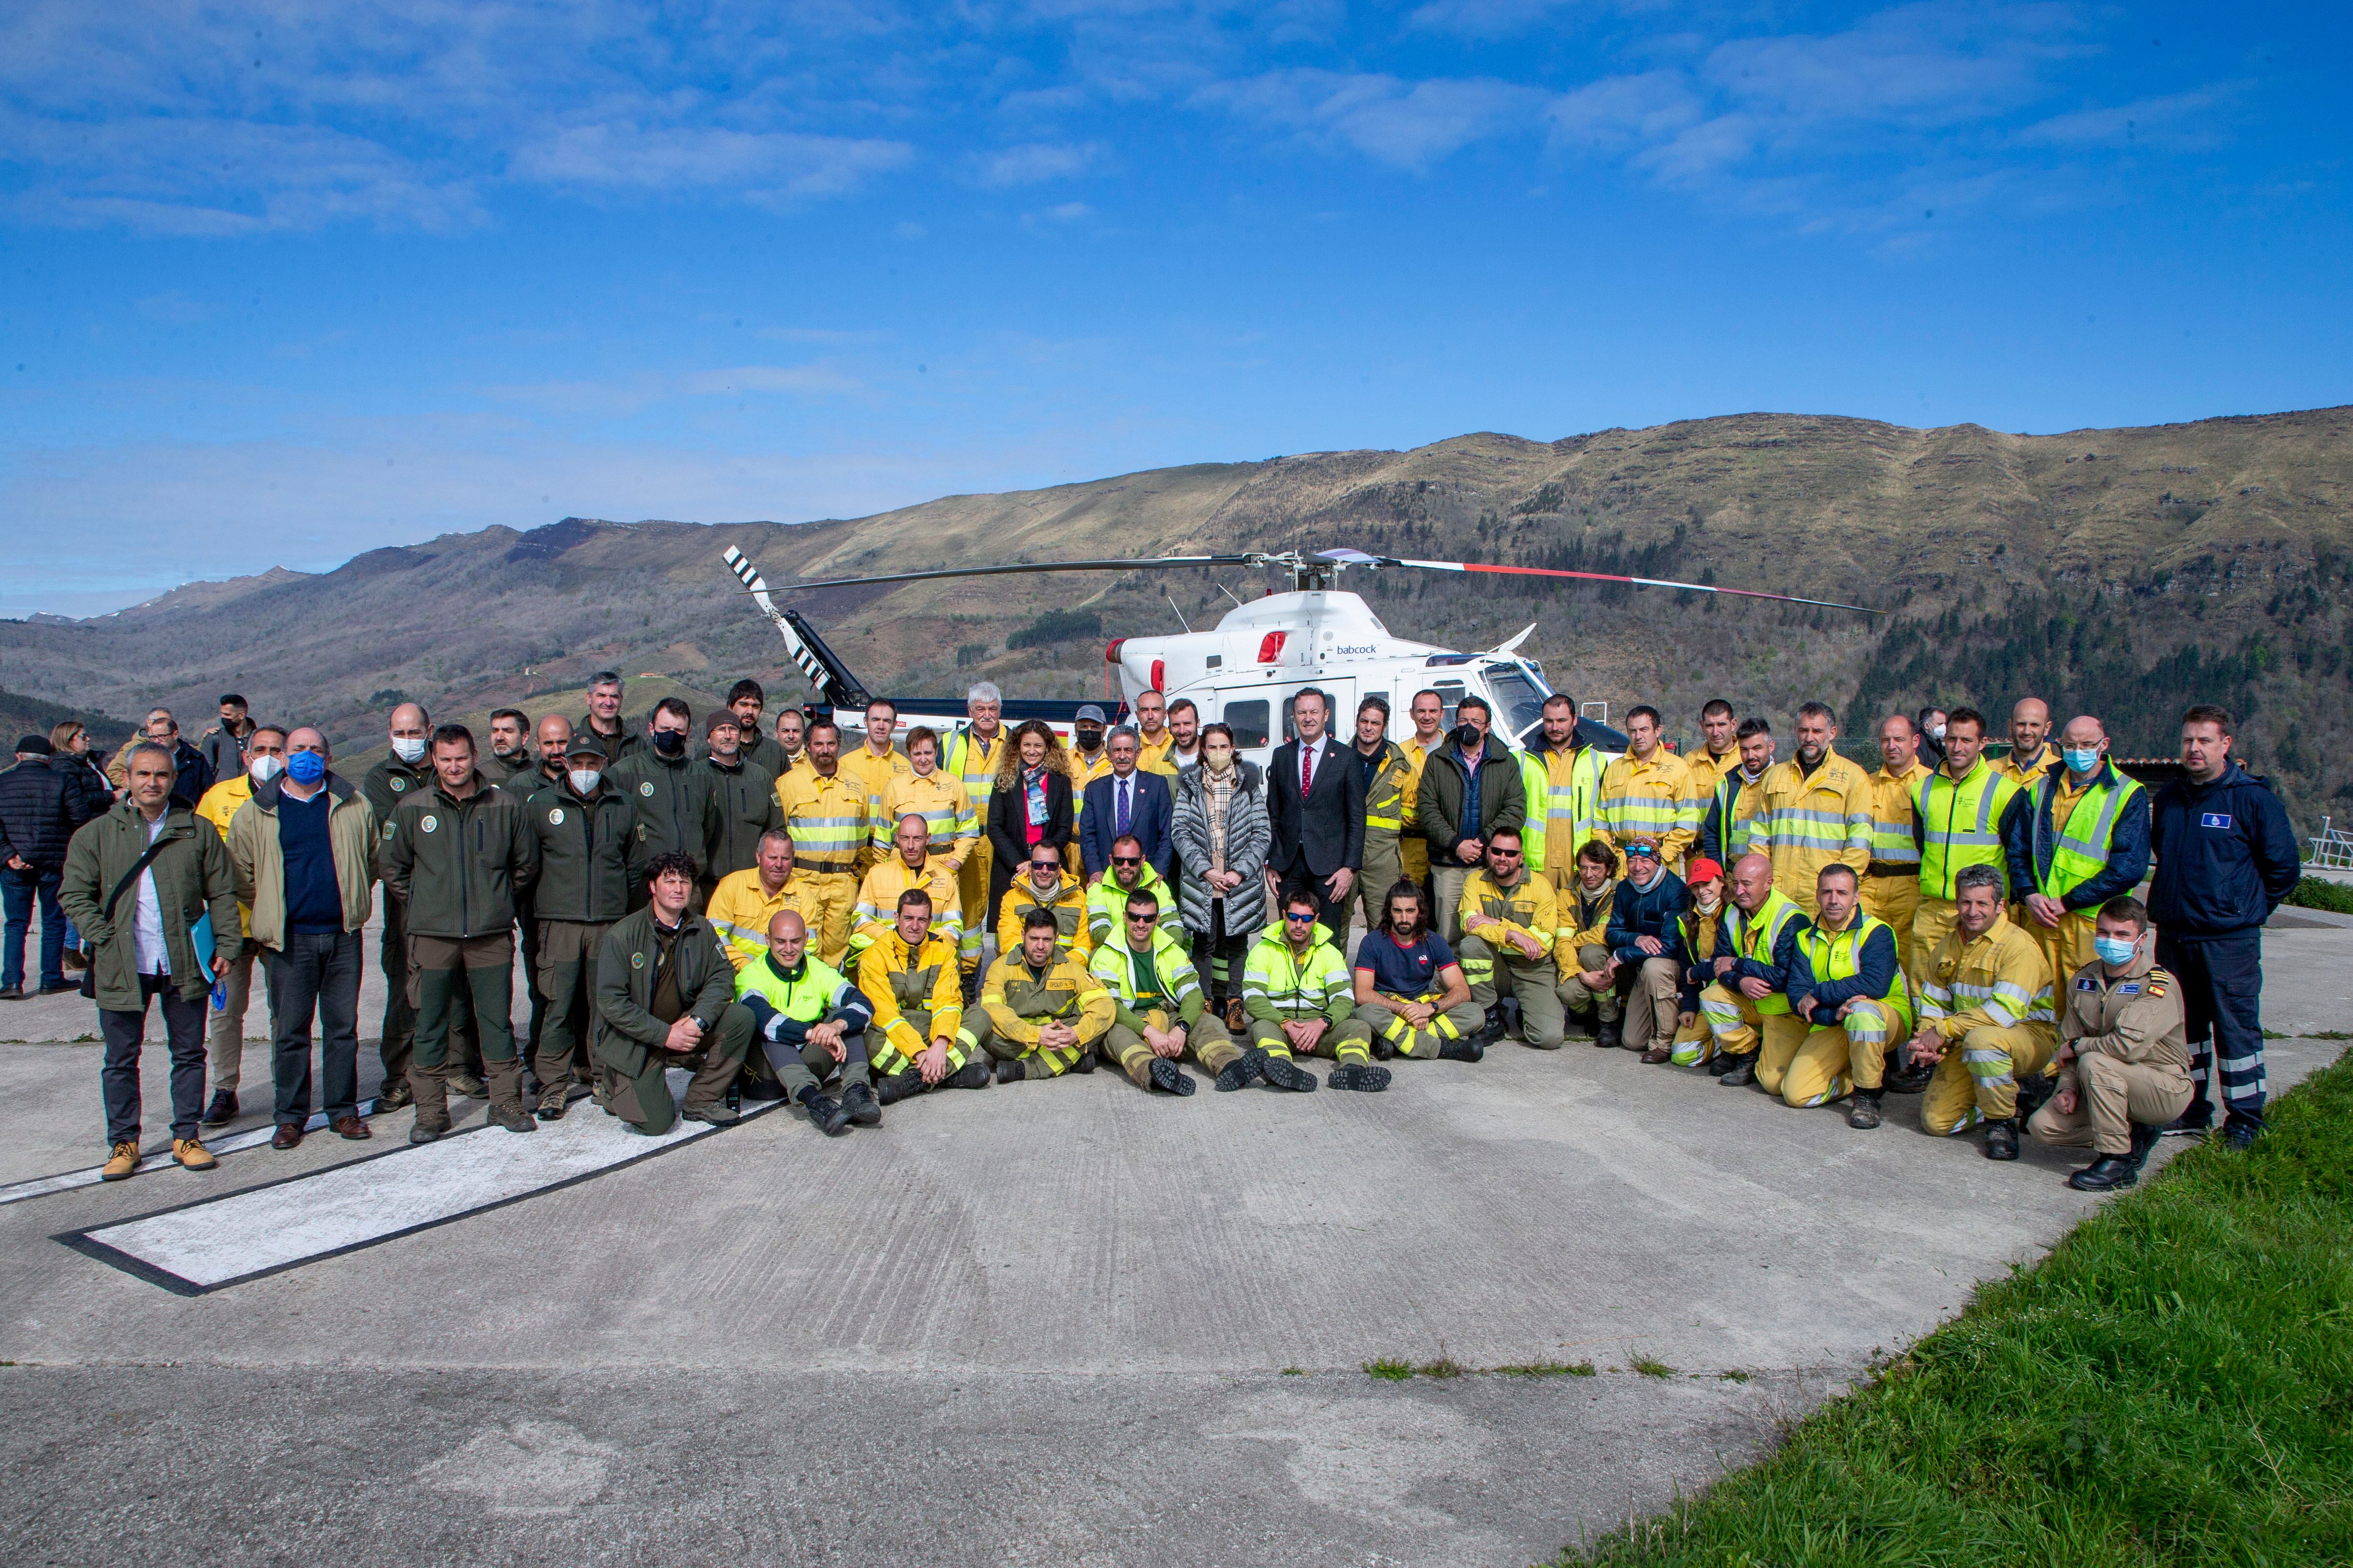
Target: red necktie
{"points": [[1306, 768]]}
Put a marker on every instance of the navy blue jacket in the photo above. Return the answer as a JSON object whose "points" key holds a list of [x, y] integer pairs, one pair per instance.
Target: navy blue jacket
{"points": [[1154, 815], [1635, 913], [2031, 848], [1875, 974], [1775, 973], [2226, 855]]}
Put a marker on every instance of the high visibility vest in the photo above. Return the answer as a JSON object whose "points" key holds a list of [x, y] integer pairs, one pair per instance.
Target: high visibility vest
{"points": [[826, 817], [805, 998], [1833, 956], [1962, 824], [1891, 815], [1113, 964], [1564, 795], [1753, 937], [1274, 977], [938, 799], [1387, 800], [2081, 851], [974, 766]]}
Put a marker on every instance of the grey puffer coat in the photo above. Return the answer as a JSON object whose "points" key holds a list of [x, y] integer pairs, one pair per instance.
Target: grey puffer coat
{"points": [[1249, 835]]}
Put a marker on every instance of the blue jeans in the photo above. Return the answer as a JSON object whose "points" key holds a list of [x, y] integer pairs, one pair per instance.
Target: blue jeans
{"points": [[18, 889]]}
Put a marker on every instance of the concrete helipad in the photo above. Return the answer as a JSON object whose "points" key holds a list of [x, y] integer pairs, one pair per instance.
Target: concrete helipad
{"points": [[1045, 1324]]}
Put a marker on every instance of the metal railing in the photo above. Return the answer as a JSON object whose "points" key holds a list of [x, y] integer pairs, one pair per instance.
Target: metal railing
{"points": [[2332, 847]]}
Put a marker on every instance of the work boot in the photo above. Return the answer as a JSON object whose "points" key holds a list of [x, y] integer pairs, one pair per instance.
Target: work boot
{"points": [[1169, 1078], [2106, 1175], [825, 1112], [1611, 1035], [1469, 1050], [191, 1154], [1582, 1024], [395, 1096], [466, 1086], [122, 1163], [1285, 1073], [1741, 1073], [1907, 1080], [1863, 1110], [222, 1110], [1009, 1071], [551, 1104], [2241, 1134], [859, 1104], [1720, 1064], [1242, 1071], [2001, 1138], [1359, 1076], [1492, 1030], [2144, 1139], [972, 1075], [2032, 1094], [432, 1098], [716, 1114], [504, 1091], [898, 1085], [1086, 1062], [512, 1117]]}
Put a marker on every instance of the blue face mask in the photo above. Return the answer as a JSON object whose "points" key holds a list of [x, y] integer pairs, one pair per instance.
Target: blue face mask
{"points": [[2081, 762], [2113, 950], [305, 768]]}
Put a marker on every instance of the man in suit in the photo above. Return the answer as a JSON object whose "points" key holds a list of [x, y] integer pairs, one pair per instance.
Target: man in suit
{"points": [[1127, 802], [1317, 798]]}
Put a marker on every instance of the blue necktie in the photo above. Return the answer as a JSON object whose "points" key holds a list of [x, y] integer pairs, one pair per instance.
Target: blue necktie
{"points": [[1122, 808]]}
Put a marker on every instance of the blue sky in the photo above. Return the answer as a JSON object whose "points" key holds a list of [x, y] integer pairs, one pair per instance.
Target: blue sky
{"points": [[283, 283]]}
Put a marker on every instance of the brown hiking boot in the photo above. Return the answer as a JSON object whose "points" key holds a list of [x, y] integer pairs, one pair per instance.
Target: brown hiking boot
{"points": [[122, 1161], [191, 1154]]}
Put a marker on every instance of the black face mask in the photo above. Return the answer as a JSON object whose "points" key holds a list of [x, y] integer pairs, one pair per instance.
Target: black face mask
{"points": [[1089, 739], [1468, 738], [668, 742]]}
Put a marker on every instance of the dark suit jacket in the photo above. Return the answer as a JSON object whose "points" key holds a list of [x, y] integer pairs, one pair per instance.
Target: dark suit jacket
{"points": [[1009, 829], [1155, 812], [1326, 831]]}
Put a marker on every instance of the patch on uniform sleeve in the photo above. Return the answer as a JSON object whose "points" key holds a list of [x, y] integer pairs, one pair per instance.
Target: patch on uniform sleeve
{"points": [[2130, 988], [637, 960], [2088, 983], [2214, 819]]}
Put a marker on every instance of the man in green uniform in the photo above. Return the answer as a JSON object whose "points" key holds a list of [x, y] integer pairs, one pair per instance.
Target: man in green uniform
{"points": [[1157, 1018], [587, 860], [812, 1023], [407, 770], [743, 798], [677, 806], [662, 987], [460, 857]]}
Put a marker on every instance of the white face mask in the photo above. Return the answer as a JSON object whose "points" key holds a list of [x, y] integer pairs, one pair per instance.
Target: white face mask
{"points": [[408, 747], [584, 779], [265, 768]]}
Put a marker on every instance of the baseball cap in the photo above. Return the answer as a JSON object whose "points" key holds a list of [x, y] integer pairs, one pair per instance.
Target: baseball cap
{"points": [[1702, 871], [1091, 712], [584, 744]]}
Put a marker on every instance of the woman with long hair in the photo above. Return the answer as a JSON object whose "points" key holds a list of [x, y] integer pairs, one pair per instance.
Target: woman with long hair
{"points": [[1222, 835], [1030, 804]]}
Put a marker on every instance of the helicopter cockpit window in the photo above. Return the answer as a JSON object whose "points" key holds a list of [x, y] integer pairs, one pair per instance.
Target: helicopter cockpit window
{"points": [[1248, 721], [1450, 693], [1519, 704]]}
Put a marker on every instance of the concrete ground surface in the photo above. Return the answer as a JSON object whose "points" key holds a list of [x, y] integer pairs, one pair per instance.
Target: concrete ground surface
{"points": [[1041, 1323]]}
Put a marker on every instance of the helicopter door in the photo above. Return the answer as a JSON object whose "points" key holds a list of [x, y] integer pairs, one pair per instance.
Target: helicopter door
{"points": [[1251, 719]]}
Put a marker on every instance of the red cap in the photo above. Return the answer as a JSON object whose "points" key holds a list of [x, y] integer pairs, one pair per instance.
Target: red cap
{"points": [[1702, 871]]}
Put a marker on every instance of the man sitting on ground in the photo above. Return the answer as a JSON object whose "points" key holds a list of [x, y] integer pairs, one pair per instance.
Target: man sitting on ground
{"points": [[911, 979], [1296, 994], [1409, 988], [1507, 920], [1846, 982], [813, 1024], [663, 994], [2124, 1054], [1644, 938], [1985, 1017], [1744, 1005], [1157, 1006], [1042, 1011], [1586, 973]]}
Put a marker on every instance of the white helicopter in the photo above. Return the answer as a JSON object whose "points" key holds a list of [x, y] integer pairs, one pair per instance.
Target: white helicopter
{"points": [[1246, 672]]}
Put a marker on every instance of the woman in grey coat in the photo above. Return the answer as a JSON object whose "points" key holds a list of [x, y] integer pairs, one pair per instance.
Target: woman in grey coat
{"points": [[1222, 835]]}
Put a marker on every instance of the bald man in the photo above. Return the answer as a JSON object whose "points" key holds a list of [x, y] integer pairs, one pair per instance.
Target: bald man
{"points": [[406, 771], [812, 1025], [1746, 1005], [2030, 753], [2088, 841]]}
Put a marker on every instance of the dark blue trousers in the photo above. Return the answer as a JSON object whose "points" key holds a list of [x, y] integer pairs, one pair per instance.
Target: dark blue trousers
{"points": [[2221, 995]]}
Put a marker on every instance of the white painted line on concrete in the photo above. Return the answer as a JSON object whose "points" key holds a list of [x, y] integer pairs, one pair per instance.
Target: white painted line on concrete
{"points": [[214, 1242], [252, 1137]]}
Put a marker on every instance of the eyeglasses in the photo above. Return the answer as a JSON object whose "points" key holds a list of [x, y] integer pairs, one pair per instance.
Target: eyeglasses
{"points": [[1127, 859], [1500, 853], [1135, 919], [1298, 920]]}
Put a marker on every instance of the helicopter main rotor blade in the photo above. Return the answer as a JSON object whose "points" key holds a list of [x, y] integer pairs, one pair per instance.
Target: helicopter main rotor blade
{"points": [[1156, 562], [1358, 558]]}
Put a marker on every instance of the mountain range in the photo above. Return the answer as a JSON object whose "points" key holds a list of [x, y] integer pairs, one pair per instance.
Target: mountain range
{"points": [[2123, 572]]}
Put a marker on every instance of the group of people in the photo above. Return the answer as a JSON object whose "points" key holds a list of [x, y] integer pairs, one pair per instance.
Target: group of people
{"points": [[785, 911]]}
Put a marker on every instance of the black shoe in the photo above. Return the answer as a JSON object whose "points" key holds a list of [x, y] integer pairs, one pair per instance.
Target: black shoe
{"points": [[898, 1085], [859, 1104], [1863, 1110], [2144, 1139], [1611, 1035], [1492, 1030], [1086, 1062], [1168, 1078], [1241, 1072], [825, 1112], [396, 1096], [2241, 1134], [1907, 1080], [2188, 1125], [1008, 1071], [1359, 1076], [716, 1114], [60, 989], [1469, 1050], [1741, 1073], [1720, 1064], [1285, 1073], [12, 994], [1582, 1023], [2105, 1173], [222, 1110], [2002, 1139], [972, 1075]]}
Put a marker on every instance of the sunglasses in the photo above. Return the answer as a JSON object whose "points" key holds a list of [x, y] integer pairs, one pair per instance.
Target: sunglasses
{"points": [[1135, 920], [1127, 859], [1298, 920]]}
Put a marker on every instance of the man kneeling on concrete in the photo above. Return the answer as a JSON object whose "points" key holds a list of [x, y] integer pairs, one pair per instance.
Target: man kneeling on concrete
{"points": [[1157, 1016], [2124, 1056], [1985, 1017], [1745, 1006], [912, 980], [1043, 1012], [813, 1024], [663, 985], [1297, 995], [1645, 939], [1846, 984]]}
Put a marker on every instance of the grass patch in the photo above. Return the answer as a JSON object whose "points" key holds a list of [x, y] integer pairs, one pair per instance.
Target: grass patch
{"points": [[1295, 1371], [1545, 1369], [1650, 1368], [1444, 1366], [2319, 893], [1734, 1376], [1389, 1371], [2173, 1384]]}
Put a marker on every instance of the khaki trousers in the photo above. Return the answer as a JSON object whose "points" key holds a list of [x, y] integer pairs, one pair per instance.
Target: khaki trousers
{"points": [[2066, 947], [1932, 922], [224, 1030], [1351, 1041], [566, 973], [1576, 995], [1449, 876], [1500, 969], [1651, 1005], [837, 898], [1383, 869], [2111, 1096], [1978, 1078], [1830, 1060], [1895, 899], [1740, 1029], [1393, 1036]]}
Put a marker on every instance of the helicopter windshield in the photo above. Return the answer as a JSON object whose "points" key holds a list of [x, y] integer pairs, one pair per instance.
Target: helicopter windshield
{"points": [[1519, 701]]}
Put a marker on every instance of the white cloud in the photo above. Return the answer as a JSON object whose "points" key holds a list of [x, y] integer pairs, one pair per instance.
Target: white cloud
{"points": [[756, 164], [1410, 125], [1037, 161], [2177, 120]]}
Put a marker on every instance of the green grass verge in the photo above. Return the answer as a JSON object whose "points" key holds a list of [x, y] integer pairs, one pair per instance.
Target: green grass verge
{"points": [[2318, 893], [2173, 1384]]}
